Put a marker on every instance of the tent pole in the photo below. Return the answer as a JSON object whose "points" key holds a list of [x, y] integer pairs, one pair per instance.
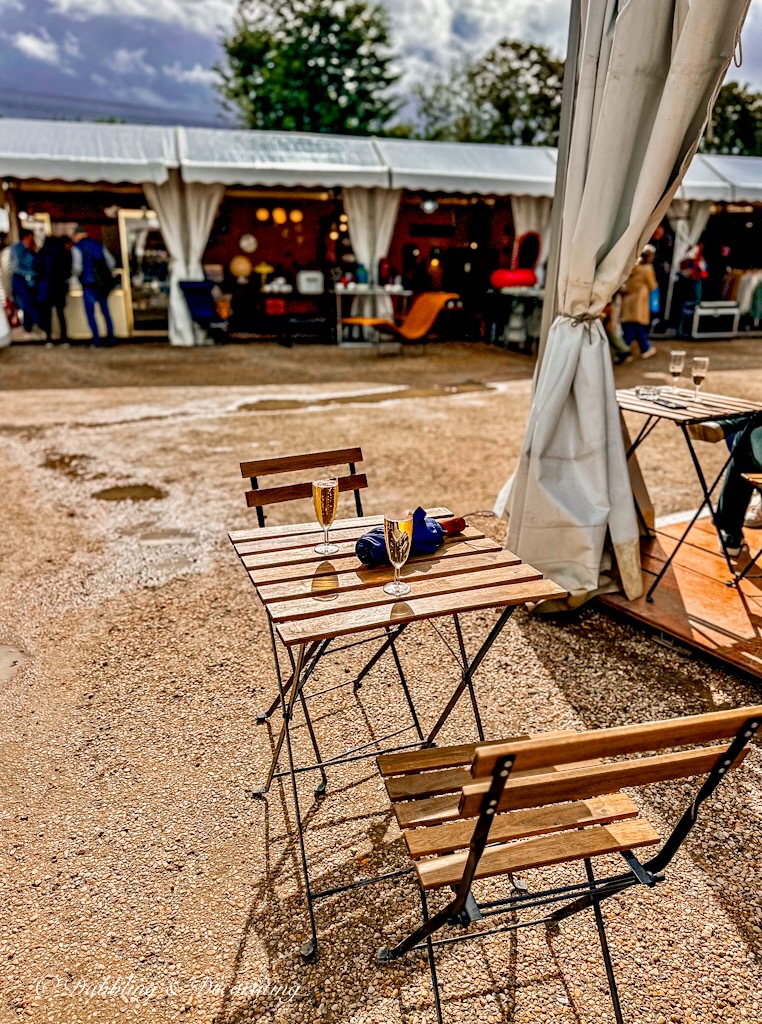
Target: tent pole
{"points": [[564, 145]]}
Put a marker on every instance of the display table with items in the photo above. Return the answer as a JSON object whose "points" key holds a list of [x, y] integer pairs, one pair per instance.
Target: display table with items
{"points": [[512, 317]]}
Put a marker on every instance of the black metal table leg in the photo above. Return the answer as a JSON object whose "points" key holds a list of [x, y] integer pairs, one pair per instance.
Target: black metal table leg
{"points": [[707, 492], [468, 674], [309, 949]]}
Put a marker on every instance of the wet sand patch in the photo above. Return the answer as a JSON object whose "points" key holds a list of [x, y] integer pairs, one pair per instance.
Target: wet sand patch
{"points": [[11, 660], [130, 492], [368, 398]]}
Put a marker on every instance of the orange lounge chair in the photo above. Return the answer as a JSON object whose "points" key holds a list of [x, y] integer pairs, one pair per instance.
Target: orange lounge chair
{"points": [[418, 322]]}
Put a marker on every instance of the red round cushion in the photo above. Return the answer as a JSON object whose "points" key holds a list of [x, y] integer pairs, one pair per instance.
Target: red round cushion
{"points": [[513, 278]]}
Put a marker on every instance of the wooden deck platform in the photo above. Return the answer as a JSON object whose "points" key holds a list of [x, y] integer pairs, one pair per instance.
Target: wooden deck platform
{"points": [[693, 603]]}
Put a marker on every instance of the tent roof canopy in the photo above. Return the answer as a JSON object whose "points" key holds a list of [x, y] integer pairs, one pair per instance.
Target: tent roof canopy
{"points": [[79, 151], [702, 181], [469, 167], [233, 157]]}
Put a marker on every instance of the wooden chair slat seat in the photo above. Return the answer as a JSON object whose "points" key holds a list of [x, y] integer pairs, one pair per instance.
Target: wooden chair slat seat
{"points": [[260, 497], [532, 802], [410, 762], [305, 460], [556, 785], [292, 492], [456, 835], [626, 739], [507, 858]]}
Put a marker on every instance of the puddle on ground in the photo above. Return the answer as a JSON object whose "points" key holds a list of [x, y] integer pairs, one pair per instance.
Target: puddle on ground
{"points": [[130, 492], [11, 660], [69, 464], [435, 391]]}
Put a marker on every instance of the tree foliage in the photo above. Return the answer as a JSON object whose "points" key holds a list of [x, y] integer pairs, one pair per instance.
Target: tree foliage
{"points": [[736, 124], [511, 95], [310, 65]]}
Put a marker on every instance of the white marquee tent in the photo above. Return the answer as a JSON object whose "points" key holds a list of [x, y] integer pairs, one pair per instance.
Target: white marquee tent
{"points": [[184, 172]]}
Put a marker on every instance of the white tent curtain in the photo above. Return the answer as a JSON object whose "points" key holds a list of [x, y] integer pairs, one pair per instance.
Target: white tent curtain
{"points": [[647, 76], [186, 213], [533, 213], [372, 214], [688, 219]]}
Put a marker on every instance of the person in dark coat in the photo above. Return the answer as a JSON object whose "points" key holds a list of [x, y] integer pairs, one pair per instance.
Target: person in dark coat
{"points": [[24, 278], [53, 287], [92, 264]]}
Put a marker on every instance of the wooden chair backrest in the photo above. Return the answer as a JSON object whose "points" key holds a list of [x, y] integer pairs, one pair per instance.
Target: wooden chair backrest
{"points": [[258, 497], [588, 780], [423, 313]]}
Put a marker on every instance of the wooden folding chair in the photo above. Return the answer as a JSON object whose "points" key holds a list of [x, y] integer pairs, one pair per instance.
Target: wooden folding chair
{"points": [[259, 498], [474, 812]]}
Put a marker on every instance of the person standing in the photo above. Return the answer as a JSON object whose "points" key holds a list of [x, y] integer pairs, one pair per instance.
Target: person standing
{"points": [[636, 307], [93, 264], [53, 286], [24, 278]]}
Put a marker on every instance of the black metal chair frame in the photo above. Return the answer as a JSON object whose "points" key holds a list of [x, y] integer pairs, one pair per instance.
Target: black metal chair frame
{"points": [[463, 910]]}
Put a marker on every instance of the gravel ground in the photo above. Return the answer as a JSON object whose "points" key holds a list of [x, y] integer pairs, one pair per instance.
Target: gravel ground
{"points": [[139, 879]]}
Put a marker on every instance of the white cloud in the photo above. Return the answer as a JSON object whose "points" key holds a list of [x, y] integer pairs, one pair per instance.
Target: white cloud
{"points": [[197, 75], [203, 16], [40, 47], [130, 62]]}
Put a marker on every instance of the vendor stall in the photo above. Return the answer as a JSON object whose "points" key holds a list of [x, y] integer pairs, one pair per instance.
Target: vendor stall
{"points": [[58, 174]]}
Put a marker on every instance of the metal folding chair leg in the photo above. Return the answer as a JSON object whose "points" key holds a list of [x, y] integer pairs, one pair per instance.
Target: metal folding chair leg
{"points": [[610, 977]]}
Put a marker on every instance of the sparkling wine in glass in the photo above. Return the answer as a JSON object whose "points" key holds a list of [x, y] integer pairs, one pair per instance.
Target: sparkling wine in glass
{"points": [[398, 534], [698, 372], [325, 497], [676, 364]]}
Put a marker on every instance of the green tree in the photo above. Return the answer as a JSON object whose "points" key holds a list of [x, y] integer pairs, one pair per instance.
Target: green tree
{"points": [[736, 122], [310, 65], [511, 95]]}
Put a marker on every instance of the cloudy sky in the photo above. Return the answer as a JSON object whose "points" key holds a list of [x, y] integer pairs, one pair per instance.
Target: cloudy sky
{"points": [[151, 60]]}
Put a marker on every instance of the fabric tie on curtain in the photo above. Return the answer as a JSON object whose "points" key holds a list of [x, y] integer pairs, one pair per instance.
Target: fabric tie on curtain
{"points": [[533, 213], [186, 212], [648, 74], [372, 215]]}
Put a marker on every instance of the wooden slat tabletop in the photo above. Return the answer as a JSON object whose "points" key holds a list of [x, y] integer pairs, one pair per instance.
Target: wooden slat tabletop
{"points": [[707, 407], [314, 597]]}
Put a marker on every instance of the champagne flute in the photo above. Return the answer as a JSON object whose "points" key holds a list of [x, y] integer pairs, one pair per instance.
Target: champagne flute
{"points": [[698, 372], [676, 364], [398, 534], [325, 497]]}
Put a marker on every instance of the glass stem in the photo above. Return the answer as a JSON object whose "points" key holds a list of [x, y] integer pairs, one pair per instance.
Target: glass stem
{"points": [[396, 577], [325, 532]]}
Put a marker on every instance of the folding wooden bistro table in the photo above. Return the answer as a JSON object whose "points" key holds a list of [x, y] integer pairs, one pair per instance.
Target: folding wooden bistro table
{"points": [[683, 409], [467, 573]]}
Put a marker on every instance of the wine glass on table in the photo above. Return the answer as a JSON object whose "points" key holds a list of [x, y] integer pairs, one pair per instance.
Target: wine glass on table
{"points": [[698, 372], [398, 534], [325, 497], [676, 365]]}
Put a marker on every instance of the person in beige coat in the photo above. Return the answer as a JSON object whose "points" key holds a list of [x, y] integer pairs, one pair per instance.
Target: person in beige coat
{"points": [[636, 310]]}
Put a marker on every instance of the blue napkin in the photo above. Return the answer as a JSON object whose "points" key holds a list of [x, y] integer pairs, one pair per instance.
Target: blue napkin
{"points": [[428, 535]]}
